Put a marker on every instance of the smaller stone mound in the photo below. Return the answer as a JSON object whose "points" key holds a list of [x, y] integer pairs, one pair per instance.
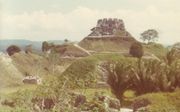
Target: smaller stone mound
{"points": [[30, 64], [9, 74], [69, 50], [75, 51]]}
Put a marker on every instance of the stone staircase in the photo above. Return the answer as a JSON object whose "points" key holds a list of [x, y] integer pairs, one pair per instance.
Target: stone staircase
{"points": [[104, 76]]}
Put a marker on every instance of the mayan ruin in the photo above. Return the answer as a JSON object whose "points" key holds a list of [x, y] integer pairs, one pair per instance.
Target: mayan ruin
{"points": [[108, 27]]}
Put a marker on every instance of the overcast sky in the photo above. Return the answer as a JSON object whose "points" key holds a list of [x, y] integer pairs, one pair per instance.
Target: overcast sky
{"points": [[73, 19]]}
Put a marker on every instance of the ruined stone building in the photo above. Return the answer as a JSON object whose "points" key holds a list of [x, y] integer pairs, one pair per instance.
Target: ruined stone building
{"points": [[108, 27]]}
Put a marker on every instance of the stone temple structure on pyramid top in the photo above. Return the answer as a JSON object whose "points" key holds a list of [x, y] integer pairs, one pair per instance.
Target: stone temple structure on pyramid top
{"points": [[111, 27]]}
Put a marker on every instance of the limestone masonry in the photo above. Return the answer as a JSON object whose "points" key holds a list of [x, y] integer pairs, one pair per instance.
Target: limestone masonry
{"points": [[109, 27]]}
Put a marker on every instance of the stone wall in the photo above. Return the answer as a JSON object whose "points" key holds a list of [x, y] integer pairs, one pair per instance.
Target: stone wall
{"points": [[109, 26]]}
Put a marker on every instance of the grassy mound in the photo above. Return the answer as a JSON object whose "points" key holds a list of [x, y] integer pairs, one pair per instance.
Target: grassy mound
{"points": [[82, 72], [30, 64]]}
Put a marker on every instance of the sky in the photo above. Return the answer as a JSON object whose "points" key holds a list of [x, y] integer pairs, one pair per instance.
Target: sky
{"points": [[72, 19]]}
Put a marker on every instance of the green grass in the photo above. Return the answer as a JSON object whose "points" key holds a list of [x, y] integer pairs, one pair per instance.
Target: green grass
{"points": [[6, 93], [156, 49], [81, 72], [102, 45], [6, 109], [14, 89], [107, 57], [90, 92], [163, 102]]}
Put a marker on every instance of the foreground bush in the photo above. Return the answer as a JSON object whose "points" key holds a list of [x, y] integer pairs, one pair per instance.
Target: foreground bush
{"points": [[151, 76], [119, 79], [136, 50]]}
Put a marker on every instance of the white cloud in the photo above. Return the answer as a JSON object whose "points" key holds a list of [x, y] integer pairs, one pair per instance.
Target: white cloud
{"points": [[75, 25]]}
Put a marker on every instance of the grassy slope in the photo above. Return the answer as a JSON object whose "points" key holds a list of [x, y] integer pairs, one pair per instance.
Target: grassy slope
{"points": [[9, 74], [104, 45], [163, 102], [86, 69], [30, 64], [156, 49]]}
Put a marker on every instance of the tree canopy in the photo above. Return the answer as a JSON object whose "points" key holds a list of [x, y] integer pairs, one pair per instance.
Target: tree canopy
{"points": [[13, 49], [136, 50], [149, 35]]}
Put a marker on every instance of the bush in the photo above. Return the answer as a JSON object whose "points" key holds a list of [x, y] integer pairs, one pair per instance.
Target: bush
{"points": [[45, 46], [119, 77], [13, 49], [151, 76], [136, 50]]}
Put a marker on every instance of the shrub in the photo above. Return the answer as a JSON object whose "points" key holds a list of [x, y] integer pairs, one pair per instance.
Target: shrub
{"points": [[13, 49], [151, 76], [172, 55], [154, 76], [119, 78], [136, 50], [45, 46], [147, 78]]}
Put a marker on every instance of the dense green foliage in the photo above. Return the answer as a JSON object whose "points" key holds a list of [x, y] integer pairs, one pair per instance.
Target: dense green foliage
{"points": [[13, 49], [136, 50], [173, 55], [151, 76], [149, 35], [119, 79]]}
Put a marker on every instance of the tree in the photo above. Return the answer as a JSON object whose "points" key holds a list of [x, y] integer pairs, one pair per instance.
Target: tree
{"points": [[136, 50], [119, 78], [12, 49], [66, 40], [28, 49], [173, 54], [45, 46], [149, 35]]}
